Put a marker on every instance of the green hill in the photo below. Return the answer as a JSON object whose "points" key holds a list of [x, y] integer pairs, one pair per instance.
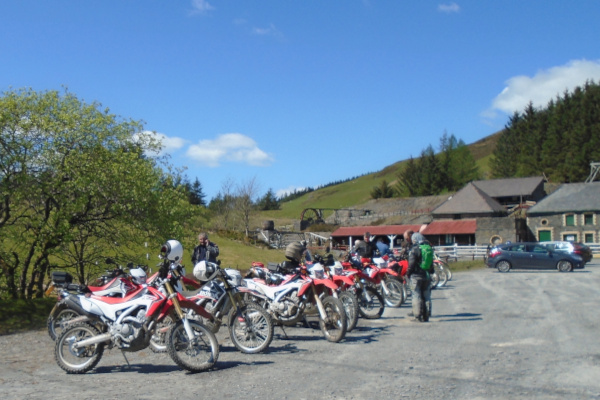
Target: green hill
{"points": [[357, 191]]}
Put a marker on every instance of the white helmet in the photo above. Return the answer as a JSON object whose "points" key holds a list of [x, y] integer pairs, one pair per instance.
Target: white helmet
{"points": [[338, 268], [317, 271], [138, 275], [204, 271], [172, 250]]}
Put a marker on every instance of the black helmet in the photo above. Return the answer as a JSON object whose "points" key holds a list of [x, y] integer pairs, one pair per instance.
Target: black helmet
{"points": [[294, 251]]}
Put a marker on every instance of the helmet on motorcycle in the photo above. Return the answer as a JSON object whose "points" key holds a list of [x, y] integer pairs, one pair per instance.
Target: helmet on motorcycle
{"points": [[138, 275], [294, 251], [204, 271], [172, 250], [317, 271], [258, 272], [338, 268]]}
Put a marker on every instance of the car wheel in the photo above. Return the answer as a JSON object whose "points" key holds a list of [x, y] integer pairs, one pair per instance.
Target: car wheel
{"points": [[503, 266], [564, 266]]}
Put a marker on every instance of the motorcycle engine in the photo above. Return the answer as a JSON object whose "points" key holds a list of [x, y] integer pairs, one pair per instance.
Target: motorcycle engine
{"points": [[288, 307], [130, 335]]}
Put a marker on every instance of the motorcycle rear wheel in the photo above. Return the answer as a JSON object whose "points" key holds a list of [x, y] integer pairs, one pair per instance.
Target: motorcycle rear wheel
{"points": [[252, 331], [350, 303], [57, 324], [199, 354], [334, 326], [370, 303], [77, 361]]}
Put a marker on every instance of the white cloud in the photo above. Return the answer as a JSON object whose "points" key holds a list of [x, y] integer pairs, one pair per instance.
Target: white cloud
{"points": [[288, 190], [229, 147], [544, 86], [201, 7], [270, 31], [169, 144], [449, 8]]}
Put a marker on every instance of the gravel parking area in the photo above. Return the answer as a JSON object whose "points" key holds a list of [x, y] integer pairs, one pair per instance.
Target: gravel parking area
{"points": [[520, 335]]}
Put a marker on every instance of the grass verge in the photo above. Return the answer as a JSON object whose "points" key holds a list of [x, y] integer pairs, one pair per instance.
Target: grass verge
{"points": [[22, 315]]}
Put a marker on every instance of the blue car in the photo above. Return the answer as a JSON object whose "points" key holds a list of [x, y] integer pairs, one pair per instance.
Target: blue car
{"points": [[531, 255]]}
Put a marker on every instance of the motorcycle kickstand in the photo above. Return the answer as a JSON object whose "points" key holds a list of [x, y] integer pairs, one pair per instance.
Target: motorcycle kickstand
{"points": [[126, 360], [284, 332]]}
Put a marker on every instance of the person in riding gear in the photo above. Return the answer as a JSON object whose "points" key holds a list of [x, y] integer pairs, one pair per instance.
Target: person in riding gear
{"points": [[420, 281], [370, 248], [206, 250]]}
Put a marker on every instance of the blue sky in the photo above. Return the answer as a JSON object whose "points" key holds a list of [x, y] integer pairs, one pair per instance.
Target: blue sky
{"points": [[302, 93]]}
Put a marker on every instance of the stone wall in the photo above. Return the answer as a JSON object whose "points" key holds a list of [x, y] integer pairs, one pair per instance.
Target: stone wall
{"points": [[499, 228]]}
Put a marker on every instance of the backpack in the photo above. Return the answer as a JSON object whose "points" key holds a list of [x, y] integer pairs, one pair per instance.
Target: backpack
{"points": [[426, 256]]}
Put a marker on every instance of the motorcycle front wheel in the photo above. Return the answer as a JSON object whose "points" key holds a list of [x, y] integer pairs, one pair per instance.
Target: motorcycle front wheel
{"points": [[56, 324], [158, 342], [77, 360], [350, 303], [252, 330], [334, 325], [195, 355], [370, 303], [395, 297]]}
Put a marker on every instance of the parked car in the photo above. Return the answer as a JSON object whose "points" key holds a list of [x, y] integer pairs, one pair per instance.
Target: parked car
{"points": [[531, 255], [571, 247]]}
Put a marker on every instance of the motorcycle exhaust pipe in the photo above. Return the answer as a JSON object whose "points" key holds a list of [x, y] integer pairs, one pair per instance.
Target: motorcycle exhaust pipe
{"points": [[105, 337]]}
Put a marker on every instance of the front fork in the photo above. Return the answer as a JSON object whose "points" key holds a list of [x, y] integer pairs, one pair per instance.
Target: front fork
{"points": [[386, 291], [320, 306], [179, 311]]}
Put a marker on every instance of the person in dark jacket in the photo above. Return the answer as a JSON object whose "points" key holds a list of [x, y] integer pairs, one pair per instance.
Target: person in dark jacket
{"points": [[420, 282], [206, 250], [370, 249]]}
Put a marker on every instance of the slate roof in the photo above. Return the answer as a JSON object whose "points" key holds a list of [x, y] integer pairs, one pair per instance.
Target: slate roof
{"points": [[510, 187], [469, 200], [570, 197]]}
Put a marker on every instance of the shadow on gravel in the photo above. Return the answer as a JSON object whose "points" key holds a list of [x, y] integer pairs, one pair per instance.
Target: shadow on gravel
{"points": [[222, 365], [366, 334], [458, 317], [138, 368]]}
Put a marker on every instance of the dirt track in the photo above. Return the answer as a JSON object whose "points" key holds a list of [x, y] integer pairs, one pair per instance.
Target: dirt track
{"points": [[519, 335]]}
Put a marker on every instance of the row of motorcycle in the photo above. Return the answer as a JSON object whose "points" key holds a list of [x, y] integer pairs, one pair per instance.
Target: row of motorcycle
{"points": [[132, 311]]}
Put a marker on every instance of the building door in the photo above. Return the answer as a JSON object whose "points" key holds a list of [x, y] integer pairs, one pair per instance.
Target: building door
{"points": [[544, 236]]}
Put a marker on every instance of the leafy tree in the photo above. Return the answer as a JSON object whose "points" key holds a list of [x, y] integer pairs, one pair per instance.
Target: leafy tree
{"points": [[383, 191], [196, 194], [559, 141], [409, 179], [75, 175], [269, 202]]}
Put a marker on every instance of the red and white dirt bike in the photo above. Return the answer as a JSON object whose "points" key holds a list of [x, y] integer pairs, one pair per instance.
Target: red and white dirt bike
{"points": [[128, 323], [222, 296], [114, 283], [294, 296]]}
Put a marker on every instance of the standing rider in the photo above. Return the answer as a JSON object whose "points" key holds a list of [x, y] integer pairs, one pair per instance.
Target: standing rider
{"points": [[420, 281], [206, 250]]}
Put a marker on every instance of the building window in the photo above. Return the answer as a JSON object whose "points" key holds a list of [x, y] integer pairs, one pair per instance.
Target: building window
{"points": [[589, 238], [570, 220], [571, 237], [544, 222], [588, 219], [544, 236]]}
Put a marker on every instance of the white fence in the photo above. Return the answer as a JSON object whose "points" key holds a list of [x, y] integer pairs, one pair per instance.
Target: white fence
{"points": [[456, 252]]}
